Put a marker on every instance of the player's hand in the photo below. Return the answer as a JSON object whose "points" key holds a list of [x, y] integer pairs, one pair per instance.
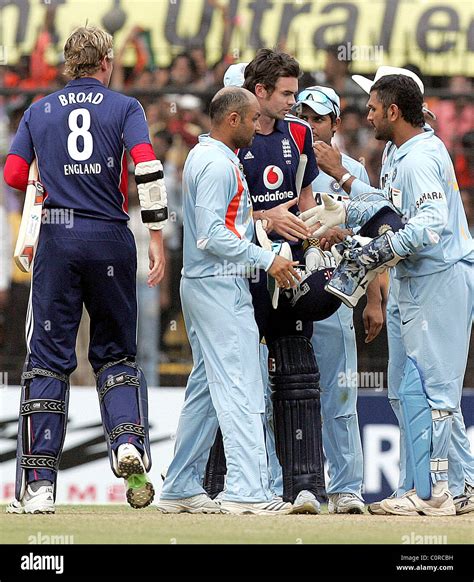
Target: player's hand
{"points": [[286, 224], [329, 159], [327, 215], [156, 255], [267, 223], [331, 237], [373, 318], [283, 271]]}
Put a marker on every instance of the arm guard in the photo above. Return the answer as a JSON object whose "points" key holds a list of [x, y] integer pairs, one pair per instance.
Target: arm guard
{"points": [[152, 194]]}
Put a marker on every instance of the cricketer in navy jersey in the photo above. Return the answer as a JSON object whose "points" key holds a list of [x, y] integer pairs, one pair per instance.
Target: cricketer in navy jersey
{"points": [[273, 177], [271, 166], [78, 136], [83, 131]]}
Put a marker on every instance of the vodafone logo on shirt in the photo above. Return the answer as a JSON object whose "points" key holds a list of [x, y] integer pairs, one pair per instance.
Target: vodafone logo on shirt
{"points": [[272, 177]]}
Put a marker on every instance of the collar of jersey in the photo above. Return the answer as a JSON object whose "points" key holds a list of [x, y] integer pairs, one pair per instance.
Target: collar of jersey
{"points": [[84, 81], [206, 139], [279, 126], [406, 147]]}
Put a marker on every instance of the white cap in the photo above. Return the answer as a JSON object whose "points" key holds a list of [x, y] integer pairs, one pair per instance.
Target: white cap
{"points": [[383, 71], [322, 100], [234, 76]]}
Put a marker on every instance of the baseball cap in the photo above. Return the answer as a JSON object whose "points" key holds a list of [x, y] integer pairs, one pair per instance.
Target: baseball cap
{"points": [[384, 71], [322, 100], [234, 76]]}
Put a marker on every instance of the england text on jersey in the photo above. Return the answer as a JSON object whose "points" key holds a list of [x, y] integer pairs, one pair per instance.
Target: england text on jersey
{"points": [[70, 169]]}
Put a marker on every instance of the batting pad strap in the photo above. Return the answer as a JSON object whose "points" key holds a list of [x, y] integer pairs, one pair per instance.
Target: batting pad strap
{"points": [[124, 361], [144, 178], [47, 373], [39, 462], [154, 215], [118, 380], [438, 465], [126, 428], [42, 405]]}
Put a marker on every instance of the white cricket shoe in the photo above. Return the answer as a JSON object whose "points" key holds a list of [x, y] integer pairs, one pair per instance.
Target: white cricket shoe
{"points": [[40, 501], [411, 504], [201, 503], [306, 502], [376, 509], [273, 507], [345, 503], [140, 492], [465, 503]]}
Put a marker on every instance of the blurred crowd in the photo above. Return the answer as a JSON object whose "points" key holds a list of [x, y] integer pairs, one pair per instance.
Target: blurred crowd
{"points": [[175, 100]]}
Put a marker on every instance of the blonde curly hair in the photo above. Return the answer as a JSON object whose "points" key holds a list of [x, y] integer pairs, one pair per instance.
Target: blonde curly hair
{"points": [[84, 50]]}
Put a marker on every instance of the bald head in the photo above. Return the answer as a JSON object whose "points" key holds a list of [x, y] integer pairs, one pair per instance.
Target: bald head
{"points": [[230, 100]]}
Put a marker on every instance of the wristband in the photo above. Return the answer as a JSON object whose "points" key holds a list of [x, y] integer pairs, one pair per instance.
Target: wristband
{"points": [[344, 179]]}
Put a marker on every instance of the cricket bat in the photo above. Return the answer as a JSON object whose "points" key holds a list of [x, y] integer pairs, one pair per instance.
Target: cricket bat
{"points": [[30, 221], [300, 173]]}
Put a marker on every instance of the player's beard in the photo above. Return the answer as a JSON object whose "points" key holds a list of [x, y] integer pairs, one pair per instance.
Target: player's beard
{"points": [[243, 140], [384, 132]]}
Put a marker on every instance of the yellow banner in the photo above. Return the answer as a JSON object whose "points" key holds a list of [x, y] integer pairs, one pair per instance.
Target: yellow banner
{"points": [[436, 35]]}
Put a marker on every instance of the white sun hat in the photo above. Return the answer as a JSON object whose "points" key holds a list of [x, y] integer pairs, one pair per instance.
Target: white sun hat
{"points": [[383, 71]]}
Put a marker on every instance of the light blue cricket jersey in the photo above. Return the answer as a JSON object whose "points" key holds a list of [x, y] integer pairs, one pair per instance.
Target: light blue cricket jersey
{"points": [[218, 223], [419, 179], [326, 183]]}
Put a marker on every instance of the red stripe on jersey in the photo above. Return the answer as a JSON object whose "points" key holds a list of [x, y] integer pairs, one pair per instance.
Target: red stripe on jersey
{"points": [[298, 133], [233, 208], [123, 187]]}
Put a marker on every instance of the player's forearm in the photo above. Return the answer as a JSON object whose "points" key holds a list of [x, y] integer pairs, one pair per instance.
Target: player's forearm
{"points": [[422, 230], [306, 199], [374, 293], [355, 186]]}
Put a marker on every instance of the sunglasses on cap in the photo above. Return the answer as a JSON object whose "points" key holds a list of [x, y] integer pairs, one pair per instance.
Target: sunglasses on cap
{"points": [[318, 96]]}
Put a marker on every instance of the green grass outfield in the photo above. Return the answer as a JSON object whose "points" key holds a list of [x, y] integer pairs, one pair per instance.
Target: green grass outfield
{"points": [[111, 524]]}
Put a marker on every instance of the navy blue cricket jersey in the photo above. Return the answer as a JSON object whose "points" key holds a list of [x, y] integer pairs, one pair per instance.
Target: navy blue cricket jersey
{"points": [[79, 135], [271, 162]]}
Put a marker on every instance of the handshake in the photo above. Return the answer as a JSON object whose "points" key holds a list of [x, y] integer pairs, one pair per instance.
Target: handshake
{"points": [[284, 273]]}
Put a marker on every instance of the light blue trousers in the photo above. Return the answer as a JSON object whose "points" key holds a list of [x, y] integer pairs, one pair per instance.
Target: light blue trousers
{"points": [[224, 388], [437, 311]]}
